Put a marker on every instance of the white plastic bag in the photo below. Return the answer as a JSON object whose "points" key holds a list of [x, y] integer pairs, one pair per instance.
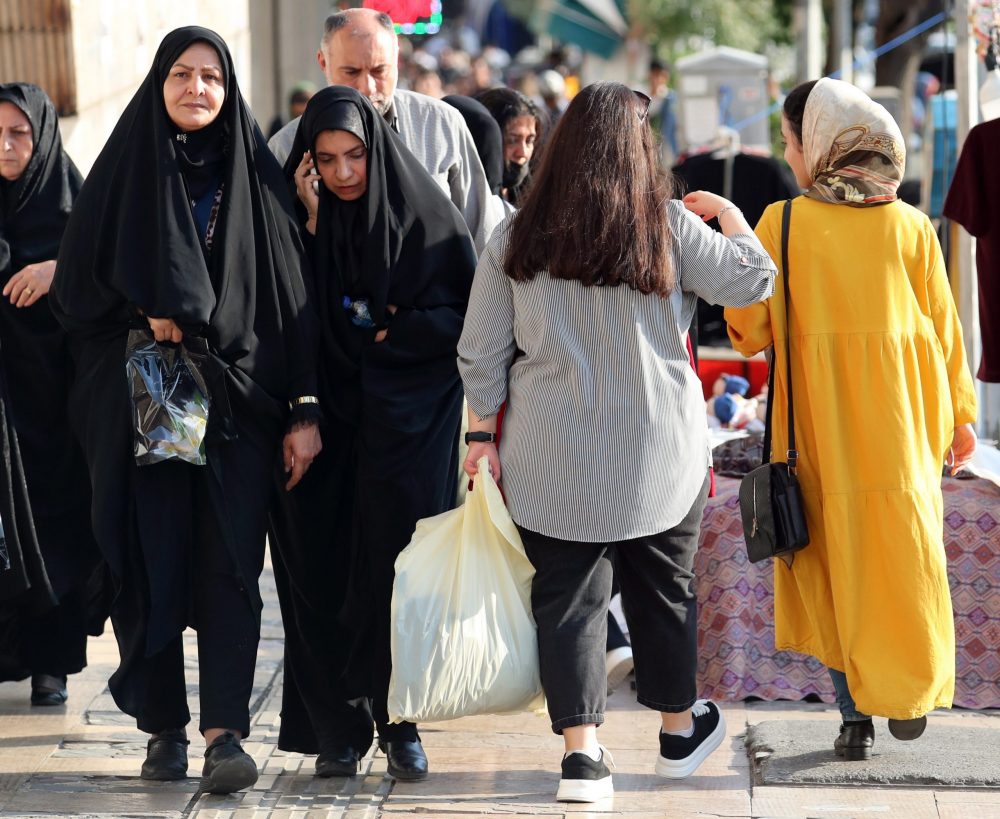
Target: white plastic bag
{"points": [[463, 639]]}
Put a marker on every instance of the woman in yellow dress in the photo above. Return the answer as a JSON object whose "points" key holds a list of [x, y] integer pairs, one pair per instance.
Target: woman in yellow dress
{"points": [[883, 398]]}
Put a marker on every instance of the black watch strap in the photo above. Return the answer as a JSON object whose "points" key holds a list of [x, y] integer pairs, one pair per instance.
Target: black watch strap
{"points": [[480, 437]]}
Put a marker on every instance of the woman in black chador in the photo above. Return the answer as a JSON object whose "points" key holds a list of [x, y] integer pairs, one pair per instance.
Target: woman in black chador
{"points": [[44, 624], [393, 265], [185, 226]]}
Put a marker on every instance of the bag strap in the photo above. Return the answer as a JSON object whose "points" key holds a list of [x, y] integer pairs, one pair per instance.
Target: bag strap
{"points": [[793, 455]]}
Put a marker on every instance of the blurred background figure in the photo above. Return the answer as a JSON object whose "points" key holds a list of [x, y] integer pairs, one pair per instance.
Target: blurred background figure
{"points": [[552, 90], [663, 110], [428, 81], [297, 100]]}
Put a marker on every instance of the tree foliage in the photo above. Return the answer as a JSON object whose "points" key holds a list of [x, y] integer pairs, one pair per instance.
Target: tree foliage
{"points": [[674, 26]]}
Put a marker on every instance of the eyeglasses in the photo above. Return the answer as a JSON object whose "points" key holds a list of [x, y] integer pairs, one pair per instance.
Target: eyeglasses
{"points": [[644, 102]]}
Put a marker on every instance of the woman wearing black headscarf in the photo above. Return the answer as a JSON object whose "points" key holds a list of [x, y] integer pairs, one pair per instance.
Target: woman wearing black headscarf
{"points": [[393, 262], [185, 226], [486, 134], [38, 183]]}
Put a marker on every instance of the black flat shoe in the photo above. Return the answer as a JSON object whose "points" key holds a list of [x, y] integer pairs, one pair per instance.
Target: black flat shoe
{"points": [[166, 756], [856, 741], [47, 689], [338, 761], [406, 758], [907, 729], [228, 768]]}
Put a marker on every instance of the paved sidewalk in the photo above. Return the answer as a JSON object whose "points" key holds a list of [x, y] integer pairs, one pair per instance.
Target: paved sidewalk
{"points": [[83, 760]]}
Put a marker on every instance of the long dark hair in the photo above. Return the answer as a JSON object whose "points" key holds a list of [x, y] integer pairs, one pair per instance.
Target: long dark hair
{"points": [[597, 210], [794, 107]]}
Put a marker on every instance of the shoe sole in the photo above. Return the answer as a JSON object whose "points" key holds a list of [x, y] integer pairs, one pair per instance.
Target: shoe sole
{"points": [[407, 776], [683, 768], [619, 670], [854, 754], [48, 700], [163, 777], [231, 776], [329, 771], [906, 730], [584, 790]]}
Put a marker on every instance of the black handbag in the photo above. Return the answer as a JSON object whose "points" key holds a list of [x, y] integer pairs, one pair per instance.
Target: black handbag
{"points": [[774, 520]]}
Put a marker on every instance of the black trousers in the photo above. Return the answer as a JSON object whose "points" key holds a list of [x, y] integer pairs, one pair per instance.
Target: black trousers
{"points": [[569, 600], [226, 620], [56, 642]]}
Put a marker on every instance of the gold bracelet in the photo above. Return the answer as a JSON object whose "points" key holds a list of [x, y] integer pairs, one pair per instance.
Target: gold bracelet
{"points": [[304, 399]]}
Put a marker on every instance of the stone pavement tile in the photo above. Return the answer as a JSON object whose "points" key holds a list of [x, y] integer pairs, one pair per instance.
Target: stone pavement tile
{"points": [[886, 803], [64, 795], [982, 803]]}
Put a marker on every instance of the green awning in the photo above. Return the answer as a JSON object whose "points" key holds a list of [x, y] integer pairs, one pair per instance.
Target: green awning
{"points": [[597, 26]]}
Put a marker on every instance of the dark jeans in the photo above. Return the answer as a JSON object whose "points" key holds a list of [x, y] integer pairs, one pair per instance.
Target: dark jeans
{"points": [[845, 702], [569, 600]]}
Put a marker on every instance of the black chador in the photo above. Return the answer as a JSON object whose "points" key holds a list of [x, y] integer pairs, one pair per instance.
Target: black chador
{"points": [[185, 543], [38, 637], [392, 411]]}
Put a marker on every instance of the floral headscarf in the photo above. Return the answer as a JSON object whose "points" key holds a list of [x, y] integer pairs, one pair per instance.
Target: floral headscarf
{"points": [[854, 150]]}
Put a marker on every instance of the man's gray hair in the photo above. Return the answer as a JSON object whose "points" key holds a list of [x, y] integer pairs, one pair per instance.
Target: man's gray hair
{"points": [[341, 19]]}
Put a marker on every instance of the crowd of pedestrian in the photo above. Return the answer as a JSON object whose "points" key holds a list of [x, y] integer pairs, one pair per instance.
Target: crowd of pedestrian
{"points": [[346, 284]]}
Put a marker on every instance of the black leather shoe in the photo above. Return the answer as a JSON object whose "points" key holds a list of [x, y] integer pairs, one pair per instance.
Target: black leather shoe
{"points": [[907, 729], [406, 758], [166, 756], [338, 761], [47, 689], [228, 768], [856, 741]]}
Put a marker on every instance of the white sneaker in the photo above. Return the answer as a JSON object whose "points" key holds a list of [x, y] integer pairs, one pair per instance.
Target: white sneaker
{"points": [[619, 664], [680, 756], [585, 779]]}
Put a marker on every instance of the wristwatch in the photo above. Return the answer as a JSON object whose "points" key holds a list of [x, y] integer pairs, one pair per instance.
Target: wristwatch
{"points": [[481, 437]]}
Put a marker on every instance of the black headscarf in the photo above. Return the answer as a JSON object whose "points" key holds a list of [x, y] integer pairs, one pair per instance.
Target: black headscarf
{"points": [[487, 135], [402, 243], [132, 241], [35, 206]]}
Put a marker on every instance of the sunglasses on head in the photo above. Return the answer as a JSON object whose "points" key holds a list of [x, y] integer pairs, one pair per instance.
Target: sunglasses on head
{"points": [[644, 102]]}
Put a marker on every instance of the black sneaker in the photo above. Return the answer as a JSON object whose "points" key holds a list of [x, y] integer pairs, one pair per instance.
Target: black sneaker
{"points": [[680, 756], [584, 779], [228, 768]]}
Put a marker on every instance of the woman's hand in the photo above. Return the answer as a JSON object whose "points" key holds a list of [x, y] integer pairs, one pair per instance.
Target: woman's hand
{"points": [[165, 330], [381, 334], [706, 205], [963, 447], [300, 447], [30, 283], [477, 450], [306, 178], [710, 206]]}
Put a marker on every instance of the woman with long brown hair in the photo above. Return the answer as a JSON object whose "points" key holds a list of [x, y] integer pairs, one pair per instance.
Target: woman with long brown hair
{"points": [[605, 446]]}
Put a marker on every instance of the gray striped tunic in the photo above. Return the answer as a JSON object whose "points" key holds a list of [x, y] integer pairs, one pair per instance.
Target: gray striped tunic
{"points": [[605, 436]]}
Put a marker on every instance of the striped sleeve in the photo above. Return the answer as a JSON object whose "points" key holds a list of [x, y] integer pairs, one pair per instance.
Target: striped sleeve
{"points": [[487, 347], [731, 271]]}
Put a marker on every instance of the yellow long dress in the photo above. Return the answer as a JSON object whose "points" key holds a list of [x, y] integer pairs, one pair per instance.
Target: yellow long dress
{"points": [[880, 383]]}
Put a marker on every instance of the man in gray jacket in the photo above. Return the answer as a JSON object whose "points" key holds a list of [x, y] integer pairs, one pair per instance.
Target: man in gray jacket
{"points": [[360, 49]]}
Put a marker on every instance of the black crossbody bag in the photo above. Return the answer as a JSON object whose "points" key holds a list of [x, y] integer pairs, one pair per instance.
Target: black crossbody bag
{"points": [[774, 520]]}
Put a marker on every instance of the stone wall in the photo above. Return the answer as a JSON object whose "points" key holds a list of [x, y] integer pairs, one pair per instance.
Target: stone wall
{"points": [[113, 46]]}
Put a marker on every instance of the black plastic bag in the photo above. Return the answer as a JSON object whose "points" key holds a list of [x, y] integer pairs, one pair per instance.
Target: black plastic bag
{"points": [[170, 398]]}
